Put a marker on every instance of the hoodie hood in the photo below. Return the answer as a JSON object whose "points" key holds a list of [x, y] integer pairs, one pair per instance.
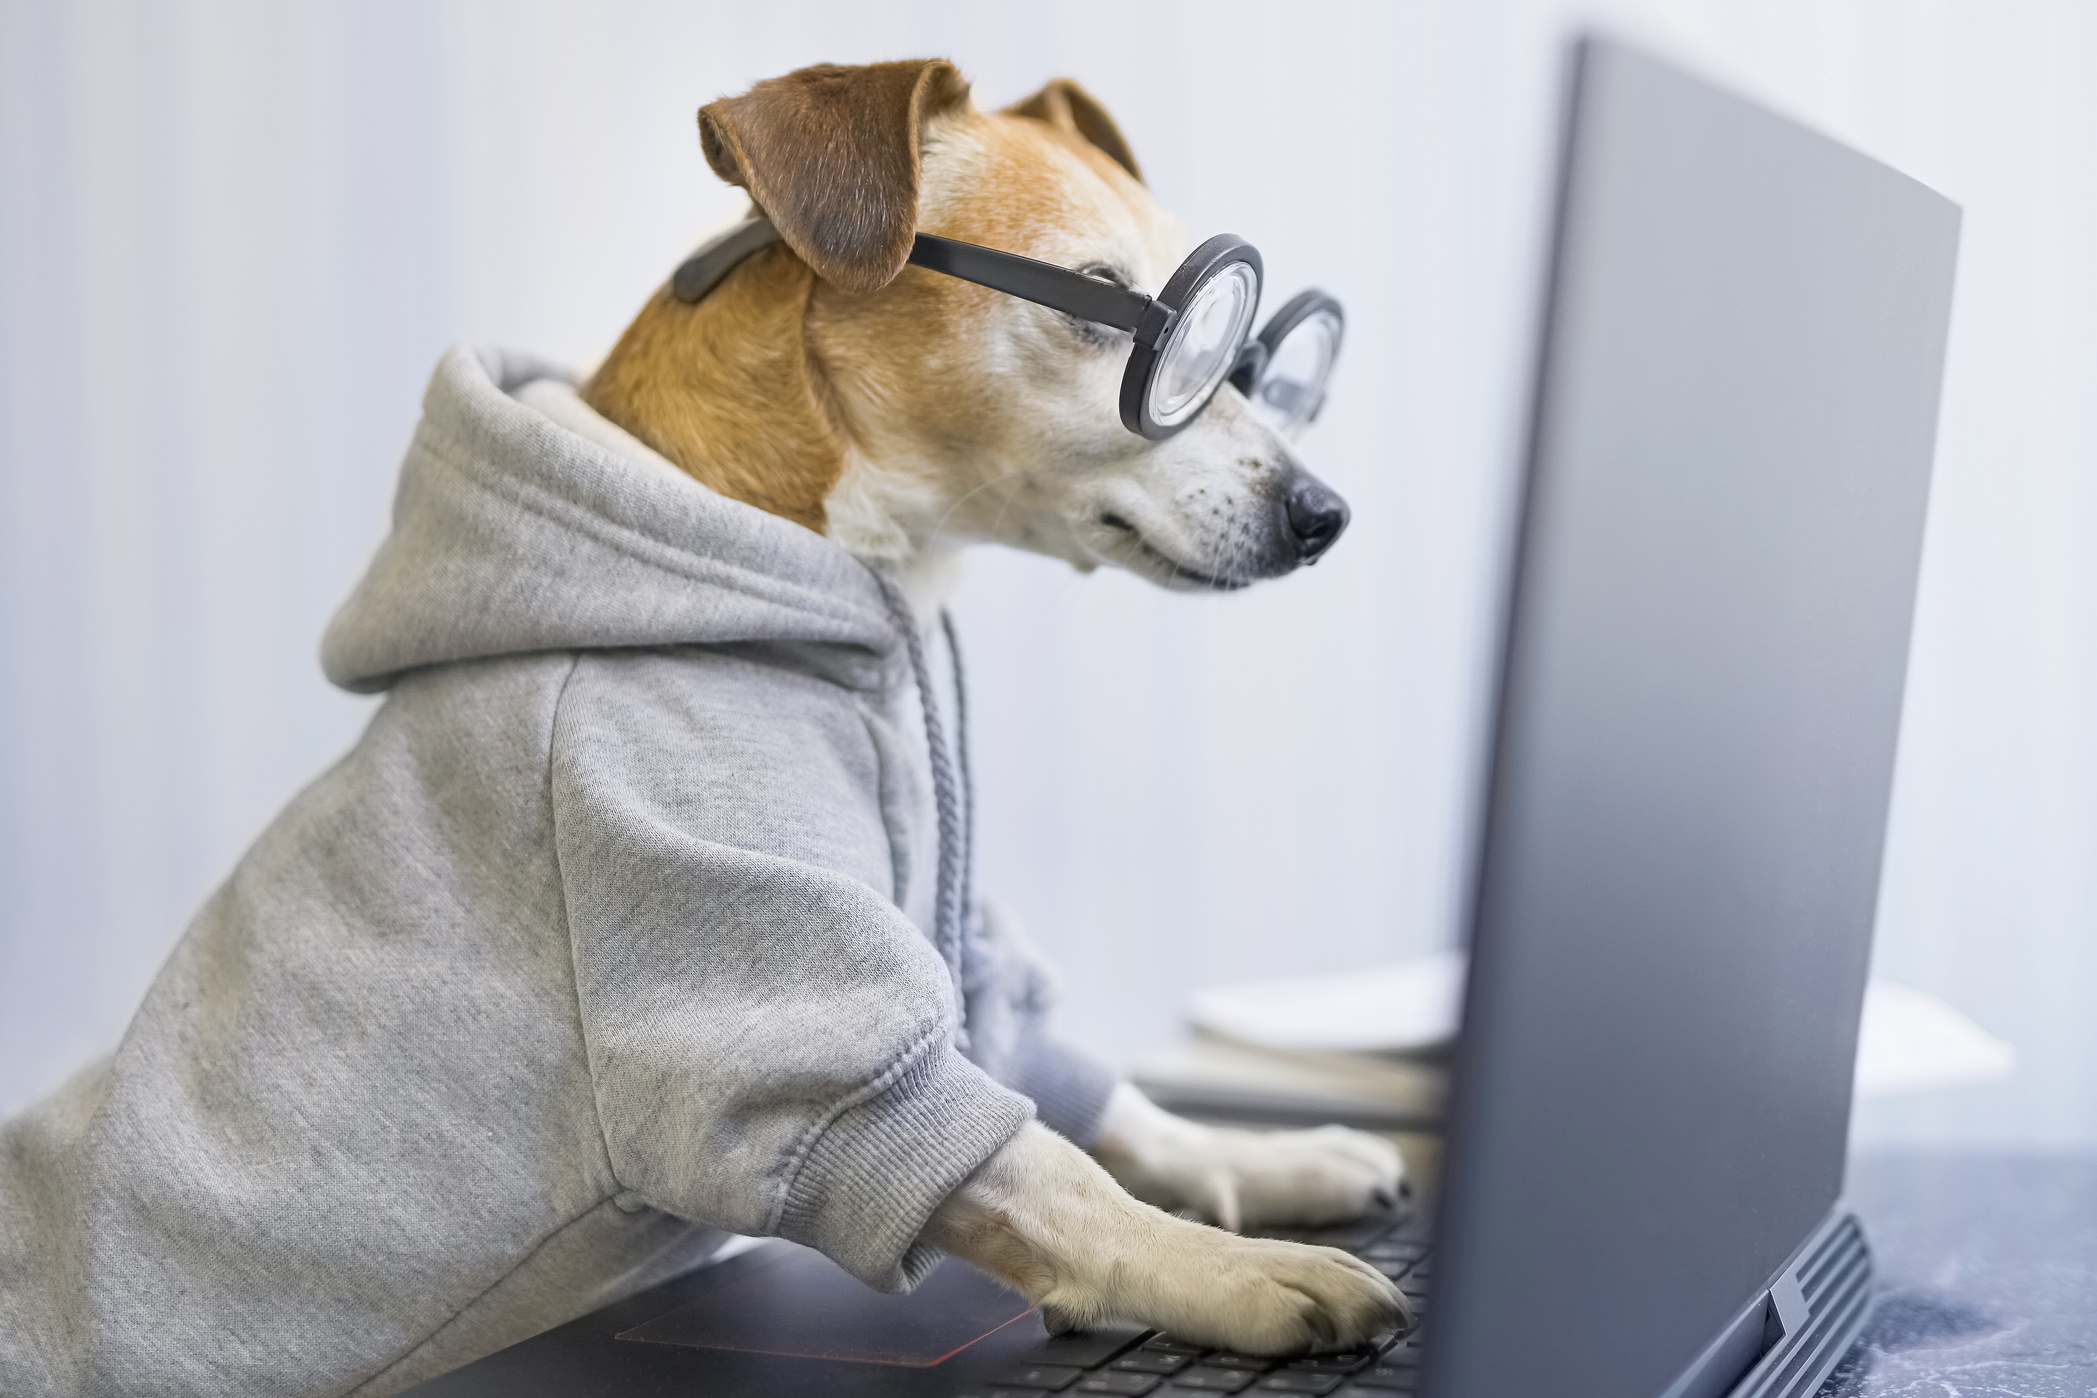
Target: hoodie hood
{"points": [[526, 523], [512, 533]]}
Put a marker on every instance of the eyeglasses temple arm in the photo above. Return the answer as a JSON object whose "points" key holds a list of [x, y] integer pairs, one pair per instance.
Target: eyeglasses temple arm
{"points": [[1043, 283], [1046, 284], [718, 256]]}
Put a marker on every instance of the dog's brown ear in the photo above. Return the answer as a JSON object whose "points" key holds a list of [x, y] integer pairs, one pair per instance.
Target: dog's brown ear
{"points": [[1068, 107], [830, 155]]}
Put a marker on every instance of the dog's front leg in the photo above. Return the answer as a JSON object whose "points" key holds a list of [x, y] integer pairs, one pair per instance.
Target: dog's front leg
{"points": [[1245, 1178], [1046, 1219]]}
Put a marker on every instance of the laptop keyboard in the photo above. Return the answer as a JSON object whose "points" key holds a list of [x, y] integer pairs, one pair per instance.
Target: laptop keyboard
{"points": [[1147, 1364]]}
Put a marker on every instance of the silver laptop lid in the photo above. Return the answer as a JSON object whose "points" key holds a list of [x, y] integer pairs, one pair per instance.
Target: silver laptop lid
{"points": [[1708, 639]]}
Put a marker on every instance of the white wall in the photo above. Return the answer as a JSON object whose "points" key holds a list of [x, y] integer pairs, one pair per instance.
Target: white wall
{"points": [[234, 238]]}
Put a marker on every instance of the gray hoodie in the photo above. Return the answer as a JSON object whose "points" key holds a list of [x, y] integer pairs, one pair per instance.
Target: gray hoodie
{"points": [[615, 932]]}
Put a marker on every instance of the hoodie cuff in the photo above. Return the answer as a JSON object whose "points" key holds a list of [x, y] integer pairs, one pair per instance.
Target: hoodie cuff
{"points": [[869, 1183], [1069, 1087]]}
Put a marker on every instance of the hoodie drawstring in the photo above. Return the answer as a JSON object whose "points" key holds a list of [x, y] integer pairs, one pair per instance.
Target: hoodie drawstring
{"points": [[968, 781], [950, 910]]}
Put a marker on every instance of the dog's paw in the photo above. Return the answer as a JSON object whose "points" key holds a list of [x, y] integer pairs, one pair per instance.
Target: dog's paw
{"points": [[1056, 1228], [1246, 1179], [1256, 1295], [1295, 1297], [1249, 1179]]}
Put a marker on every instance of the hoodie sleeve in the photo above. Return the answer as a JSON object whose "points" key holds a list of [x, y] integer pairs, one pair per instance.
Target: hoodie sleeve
{"points": [[1068, 1086], [1011, 991], [771, 1040]]}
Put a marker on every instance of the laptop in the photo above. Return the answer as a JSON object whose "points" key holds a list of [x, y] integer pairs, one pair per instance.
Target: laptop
{"points": [[1676, 868]]}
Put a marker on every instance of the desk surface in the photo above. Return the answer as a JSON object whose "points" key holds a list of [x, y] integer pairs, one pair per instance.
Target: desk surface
{"points": [[1988, 1276]]}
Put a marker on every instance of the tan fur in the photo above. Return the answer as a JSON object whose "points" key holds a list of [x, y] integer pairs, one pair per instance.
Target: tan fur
{"points": [[728, 390], [1069, 108], [831, 155], [769, 389], [928, 387]]}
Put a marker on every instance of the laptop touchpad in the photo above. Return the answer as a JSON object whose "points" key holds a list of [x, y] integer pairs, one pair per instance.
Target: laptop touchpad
{"points": [[798, 1303]]}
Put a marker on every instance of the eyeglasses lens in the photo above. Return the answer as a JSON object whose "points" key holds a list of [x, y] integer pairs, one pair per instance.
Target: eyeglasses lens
{"points": [[1204, 345], [1293, 383]]}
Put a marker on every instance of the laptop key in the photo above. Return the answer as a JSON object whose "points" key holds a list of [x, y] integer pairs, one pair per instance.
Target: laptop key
{"points": [[1400, 1378], [1212, 1380], [1045, 1378], [1301, 1383], [1133, 1385], [1345, 1362], [1251, 1363], [1166, 1344], [1150, 1361], [1084, 1349]]}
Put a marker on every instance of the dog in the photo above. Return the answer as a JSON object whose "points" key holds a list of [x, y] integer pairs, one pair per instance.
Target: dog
{"points": [[619, 926], [908, 415]]}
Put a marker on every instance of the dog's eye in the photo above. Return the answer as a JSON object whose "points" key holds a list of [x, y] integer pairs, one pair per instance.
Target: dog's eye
{"points": [[1096, 335]]}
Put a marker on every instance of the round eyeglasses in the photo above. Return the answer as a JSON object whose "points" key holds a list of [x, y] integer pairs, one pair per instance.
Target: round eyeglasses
{"points": [[1190, 339]]}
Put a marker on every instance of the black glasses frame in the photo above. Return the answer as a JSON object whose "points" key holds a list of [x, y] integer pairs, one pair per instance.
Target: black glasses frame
{"points": [[1259, 351], [1150, 320]]}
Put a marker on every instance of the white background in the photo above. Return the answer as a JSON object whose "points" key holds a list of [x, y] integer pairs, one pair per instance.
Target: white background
{"points": [[235, 237]]}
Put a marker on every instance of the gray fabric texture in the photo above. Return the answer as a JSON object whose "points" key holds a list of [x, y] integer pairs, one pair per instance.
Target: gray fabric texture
{"points": [[609, 935]]}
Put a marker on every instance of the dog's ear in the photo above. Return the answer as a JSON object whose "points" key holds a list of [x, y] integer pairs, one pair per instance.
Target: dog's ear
{"points": [[1068, 107], [830, 155]]}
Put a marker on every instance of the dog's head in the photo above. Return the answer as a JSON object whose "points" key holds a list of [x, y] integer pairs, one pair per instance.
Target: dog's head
{"points": [[966, 414]]}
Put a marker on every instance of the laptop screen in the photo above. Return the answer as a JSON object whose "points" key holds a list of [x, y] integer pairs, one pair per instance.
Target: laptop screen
{"points": [[1700, 701]]}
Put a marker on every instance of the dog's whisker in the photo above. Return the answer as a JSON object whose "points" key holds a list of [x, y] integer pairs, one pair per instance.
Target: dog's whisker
{"points": [[972, 493]]}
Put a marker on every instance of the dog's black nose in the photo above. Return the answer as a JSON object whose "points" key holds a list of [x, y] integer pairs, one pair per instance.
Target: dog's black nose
{"points": [[1316, 516]]}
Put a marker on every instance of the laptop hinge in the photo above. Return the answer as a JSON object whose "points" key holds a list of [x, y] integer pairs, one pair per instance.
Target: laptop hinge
{"points": [[1787, 1312], [1778, 1319]]}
